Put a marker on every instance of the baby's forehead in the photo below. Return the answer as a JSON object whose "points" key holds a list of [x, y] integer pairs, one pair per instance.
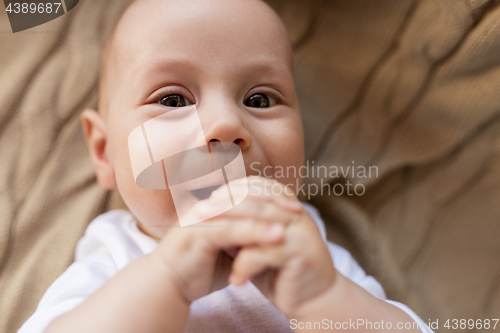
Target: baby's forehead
{"points": [[147, 23], [197, 31]]}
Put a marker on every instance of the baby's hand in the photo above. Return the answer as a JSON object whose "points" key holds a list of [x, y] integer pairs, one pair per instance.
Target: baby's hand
{"points": [[292, 269], [196, 258]]}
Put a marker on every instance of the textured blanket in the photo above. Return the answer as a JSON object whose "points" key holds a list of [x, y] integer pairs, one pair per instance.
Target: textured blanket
{"points": [[409, 87]]}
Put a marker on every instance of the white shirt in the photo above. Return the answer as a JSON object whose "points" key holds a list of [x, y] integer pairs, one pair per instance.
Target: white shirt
{"points": [[113, 240]]}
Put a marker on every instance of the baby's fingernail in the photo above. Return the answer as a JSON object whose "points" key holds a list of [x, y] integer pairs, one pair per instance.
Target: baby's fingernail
{"points": [[294, 204], [275, 230], [290, 204]]}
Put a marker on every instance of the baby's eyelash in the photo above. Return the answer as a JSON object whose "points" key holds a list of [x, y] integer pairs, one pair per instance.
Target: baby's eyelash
{"points": [[270, 92], [174, 101], [157, 96], [260, 101]]}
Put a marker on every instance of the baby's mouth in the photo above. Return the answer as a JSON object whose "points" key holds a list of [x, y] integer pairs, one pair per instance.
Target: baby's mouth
{"points": [[205, 192]]}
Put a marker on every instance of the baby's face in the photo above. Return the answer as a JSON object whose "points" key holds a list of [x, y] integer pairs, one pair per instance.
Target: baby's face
{"points": [[231, 58]]}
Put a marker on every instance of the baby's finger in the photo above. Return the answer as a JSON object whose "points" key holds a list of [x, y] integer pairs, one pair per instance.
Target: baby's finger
{"points": [[258, 188], [271, 190], [252, 261], [257, 209], [270, 187], [242, 233]]}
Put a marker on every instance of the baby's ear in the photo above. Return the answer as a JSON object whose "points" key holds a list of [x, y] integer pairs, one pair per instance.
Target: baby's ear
{"points": [[94, 128]]}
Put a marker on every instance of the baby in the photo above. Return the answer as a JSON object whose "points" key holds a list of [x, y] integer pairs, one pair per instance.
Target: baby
{"points": [[262, 266]]}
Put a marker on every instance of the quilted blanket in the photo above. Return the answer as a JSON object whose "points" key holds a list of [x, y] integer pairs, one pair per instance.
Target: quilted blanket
{"points": [[408, 88]]}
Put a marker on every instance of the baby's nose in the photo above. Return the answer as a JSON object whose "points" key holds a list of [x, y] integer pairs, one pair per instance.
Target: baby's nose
{"points": [[226, 125]]}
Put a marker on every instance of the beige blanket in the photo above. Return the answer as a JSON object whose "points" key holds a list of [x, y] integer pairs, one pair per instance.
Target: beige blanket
{"points": [[411, 87]]}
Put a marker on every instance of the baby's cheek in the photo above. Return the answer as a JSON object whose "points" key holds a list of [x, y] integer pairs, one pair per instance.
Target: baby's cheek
{"points": [[289, 161], [154, 208]]}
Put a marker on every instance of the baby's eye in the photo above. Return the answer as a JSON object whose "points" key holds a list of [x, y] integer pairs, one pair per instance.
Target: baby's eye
{"points": [[260, 101], [174, 101]]}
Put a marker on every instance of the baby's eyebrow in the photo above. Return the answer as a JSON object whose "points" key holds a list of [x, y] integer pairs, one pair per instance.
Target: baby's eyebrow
{"points": [[152, 73], [266, 66], [258, 66], [163, 65]]}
